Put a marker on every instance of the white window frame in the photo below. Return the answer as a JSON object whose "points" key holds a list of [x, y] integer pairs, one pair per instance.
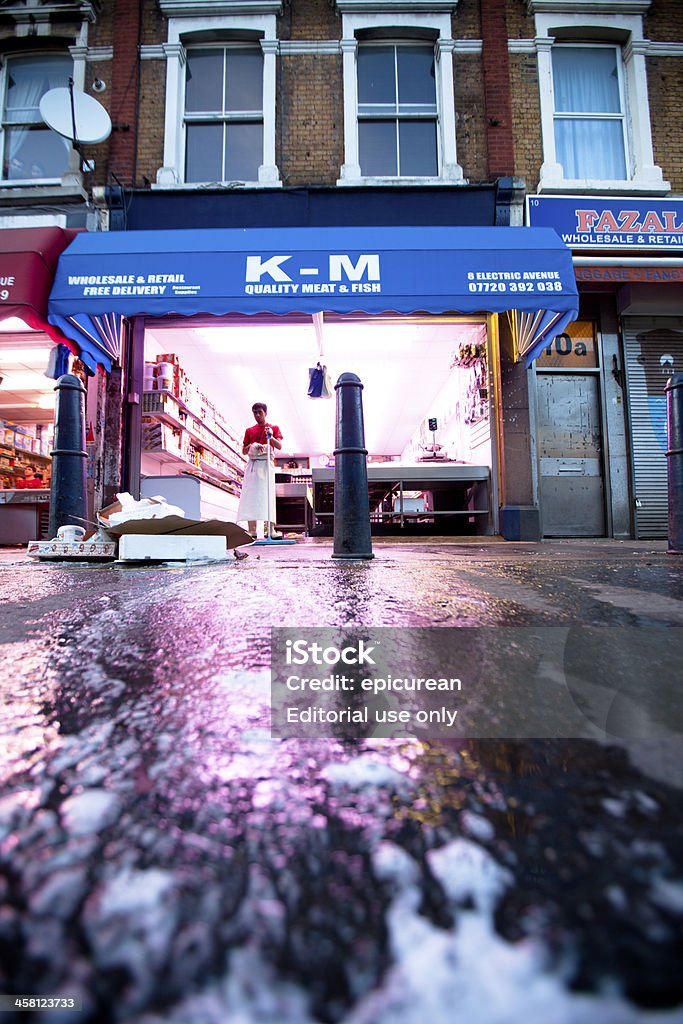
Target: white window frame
{"points": [[73, 176], [596, 115], [560, 22], [398, 115], [172, 174], [224, 117], [439, 25]]}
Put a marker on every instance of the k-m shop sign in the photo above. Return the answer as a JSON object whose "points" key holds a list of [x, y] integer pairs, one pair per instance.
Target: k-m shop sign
{"points": [[282, 270], [593, 222]]}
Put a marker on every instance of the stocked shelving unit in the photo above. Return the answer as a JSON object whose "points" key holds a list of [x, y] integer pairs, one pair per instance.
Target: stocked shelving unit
{"points": [[18, 448], [24, 512], [181, 441]]}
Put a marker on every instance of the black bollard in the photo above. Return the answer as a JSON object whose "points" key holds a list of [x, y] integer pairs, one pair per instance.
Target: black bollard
{"points": [[674, 455], [68, 495], [351, 501]]}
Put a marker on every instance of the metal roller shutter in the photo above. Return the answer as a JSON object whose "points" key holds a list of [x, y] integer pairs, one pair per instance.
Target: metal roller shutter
{"points": [[649, 345]]}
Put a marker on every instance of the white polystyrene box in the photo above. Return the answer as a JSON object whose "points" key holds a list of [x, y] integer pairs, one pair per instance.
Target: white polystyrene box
{"points": [[136, 547]]}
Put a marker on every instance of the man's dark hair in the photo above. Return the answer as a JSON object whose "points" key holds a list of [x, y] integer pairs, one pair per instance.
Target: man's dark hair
{"points": [[259, 405]]}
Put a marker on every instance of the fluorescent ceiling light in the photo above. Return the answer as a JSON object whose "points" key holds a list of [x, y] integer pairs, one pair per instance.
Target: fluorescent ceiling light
{"points": [[24, 380], [15, 323], [260, 339], [359, 337], [30, 354]]}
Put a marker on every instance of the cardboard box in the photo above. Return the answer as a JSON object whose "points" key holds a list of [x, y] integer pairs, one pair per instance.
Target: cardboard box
{"points": [[230, 534], [170, 548]]}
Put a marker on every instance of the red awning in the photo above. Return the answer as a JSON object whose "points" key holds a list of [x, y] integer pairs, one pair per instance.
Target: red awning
{"points": [[28, 258]]}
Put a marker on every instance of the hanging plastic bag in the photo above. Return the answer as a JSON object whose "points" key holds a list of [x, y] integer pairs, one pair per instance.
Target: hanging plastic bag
{"points": [[328, 386], [316, 378], [58, 361]]}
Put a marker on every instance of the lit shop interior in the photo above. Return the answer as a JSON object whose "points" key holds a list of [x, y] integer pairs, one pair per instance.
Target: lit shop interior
{"points": [[426, 384], [27, 402]]}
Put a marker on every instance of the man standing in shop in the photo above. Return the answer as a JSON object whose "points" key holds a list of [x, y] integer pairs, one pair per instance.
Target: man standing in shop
{"points": [[30, 478], [253, 504]]}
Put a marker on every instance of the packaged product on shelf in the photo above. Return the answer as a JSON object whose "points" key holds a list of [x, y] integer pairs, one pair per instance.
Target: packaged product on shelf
{"points": [[165, 380], [168, 373], [151, 434], [148, 378], [161, 437]]}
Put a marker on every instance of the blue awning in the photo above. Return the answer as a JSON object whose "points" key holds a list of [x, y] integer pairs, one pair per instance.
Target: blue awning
{"points": [[106, 275]]}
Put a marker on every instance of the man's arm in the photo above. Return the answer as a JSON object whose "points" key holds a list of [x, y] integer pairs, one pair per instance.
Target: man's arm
{"points": [[275, 436]]}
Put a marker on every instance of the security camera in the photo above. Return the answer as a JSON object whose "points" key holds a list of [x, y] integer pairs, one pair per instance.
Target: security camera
{"points": [[666, 360], [98, 85]]}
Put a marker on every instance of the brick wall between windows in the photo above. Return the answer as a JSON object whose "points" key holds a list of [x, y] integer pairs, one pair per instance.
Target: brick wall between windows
{"points": [[100, 32], [314, 19], [311, 119], [526, 118], [664, 21], [470, 122], [150, 150], [520, 23], [465, 21], [154, 24], [664, 79]]}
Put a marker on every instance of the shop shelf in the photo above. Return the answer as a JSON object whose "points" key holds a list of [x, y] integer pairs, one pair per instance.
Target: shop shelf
{"points": [[164, 457], [155, 403]]}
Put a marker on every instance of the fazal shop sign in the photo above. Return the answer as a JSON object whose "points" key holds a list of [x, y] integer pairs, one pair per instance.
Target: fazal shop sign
{"points": [[591, 222]]}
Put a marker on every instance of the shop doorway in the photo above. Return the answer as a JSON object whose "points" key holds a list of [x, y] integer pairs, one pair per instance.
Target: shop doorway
{"points": [[201, 378], [569, 435]]}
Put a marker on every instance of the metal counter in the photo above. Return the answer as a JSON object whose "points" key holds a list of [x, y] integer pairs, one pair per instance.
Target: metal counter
{"points": [[24, 515]]}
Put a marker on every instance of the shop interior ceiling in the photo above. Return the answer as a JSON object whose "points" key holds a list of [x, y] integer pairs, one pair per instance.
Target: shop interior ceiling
{"points": [[403, 364], [26, 394]]}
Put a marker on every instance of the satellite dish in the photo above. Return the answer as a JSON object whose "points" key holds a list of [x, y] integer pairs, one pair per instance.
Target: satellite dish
{"points": [[75, 115]]}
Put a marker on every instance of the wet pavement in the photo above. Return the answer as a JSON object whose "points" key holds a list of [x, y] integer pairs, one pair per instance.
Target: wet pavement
{"points": [[163, 859]]}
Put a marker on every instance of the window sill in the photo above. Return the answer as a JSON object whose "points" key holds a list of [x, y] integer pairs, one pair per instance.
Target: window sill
{"points": [[213, 8], [209, 186], [401, 182], [589, 186], [24, 194]]}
